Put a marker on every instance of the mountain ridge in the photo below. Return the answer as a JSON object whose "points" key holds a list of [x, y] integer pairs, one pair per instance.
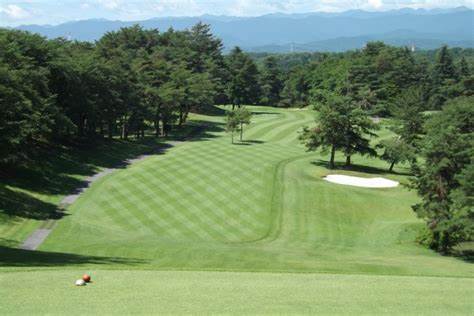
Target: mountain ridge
{"points": [[443, 25]]}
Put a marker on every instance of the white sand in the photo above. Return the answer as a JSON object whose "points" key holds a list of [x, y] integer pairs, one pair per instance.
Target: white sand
{"points": [[361, 182]]}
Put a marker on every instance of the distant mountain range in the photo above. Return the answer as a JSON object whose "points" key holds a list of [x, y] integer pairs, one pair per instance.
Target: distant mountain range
{"points": [[316, 31]]}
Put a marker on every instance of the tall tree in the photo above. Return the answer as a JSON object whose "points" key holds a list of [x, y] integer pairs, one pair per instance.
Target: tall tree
{"points": [[448, 150], [232, 123], [444, 67], [444, 77], [243, 116], [271, 82], [408, 118], [396, 150], [463, 68], [28, 111], [295, 90], [340, 125], [243, 87]]}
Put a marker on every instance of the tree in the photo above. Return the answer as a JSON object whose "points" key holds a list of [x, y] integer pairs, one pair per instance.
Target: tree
{"points": [[447, 151], [395, 151], [461, 224], [444, 77], [408, 118], [357, 128], [271, 82], [379, 74], [444, 67], [341, 125], [232, 124], [28, 110], [295, 89], [464, 70], [243, 86], [243, 116]]}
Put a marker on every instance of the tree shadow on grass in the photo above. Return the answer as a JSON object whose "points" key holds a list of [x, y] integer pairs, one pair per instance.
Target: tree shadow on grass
{"points": [[197, 130], [467, 256], [241, 143], [11, 257], [57, 170], [464, 251], [357, 168], [253, 141], [265, 113], [248, 142], [211, 111], [18, 204]]}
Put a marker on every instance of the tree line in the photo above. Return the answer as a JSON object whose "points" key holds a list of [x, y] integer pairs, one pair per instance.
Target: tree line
{"points": [[133, 80]]}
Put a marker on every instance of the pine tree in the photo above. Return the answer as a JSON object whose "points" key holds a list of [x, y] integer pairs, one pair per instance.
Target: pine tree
{"points": [[447, 151], [271, 82]]}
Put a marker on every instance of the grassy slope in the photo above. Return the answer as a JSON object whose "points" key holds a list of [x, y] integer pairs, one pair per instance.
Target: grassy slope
{"points": [[28, 196], [259, 206]]}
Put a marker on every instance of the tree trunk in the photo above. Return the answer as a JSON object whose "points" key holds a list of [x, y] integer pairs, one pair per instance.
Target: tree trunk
{"points": [[157, 128], [164, 127], [232, 137], [80, 125], [124, 128], [110, 129], [348, 161], [241, 131], [445, 243], [391, 166], [181, 115], [333, 153]]}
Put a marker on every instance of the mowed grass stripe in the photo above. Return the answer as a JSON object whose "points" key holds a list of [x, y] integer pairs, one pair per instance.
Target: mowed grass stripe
{"points": [[274, 134], [209, 204], [257, 131]]}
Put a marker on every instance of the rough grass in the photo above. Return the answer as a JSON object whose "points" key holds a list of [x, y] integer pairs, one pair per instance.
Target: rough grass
{"points": [[260, 206]]}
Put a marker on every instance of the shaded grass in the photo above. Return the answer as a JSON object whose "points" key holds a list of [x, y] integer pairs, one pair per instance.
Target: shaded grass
{"points": [[31, 193], [25, 258]]}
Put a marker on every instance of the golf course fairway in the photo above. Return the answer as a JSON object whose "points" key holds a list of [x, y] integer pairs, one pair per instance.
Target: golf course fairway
{"points": [[213, 227]]}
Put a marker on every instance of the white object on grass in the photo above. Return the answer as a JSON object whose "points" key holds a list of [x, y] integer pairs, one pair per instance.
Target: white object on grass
{"points": [[80, 282], [361, 182]]}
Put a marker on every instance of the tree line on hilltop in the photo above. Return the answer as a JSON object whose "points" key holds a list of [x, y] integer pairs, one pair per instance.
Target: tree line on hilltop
{"points": [[135, 81]]}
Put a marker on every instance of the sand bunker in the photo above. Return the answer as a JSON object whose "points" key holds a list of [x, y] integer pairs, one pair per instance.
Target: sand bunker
{"points": [[361, 182]]}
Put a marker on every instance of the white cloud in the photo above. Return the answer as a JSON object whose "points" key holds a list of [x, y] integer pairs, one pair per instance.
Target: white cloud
{"points": [[111, 4], [15, 12], [376, 4], [177, 7]]}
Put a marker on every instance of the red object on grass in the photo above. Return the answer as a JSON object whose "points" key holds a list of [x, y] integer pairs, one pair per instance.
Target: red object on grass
{"points": [[86, 278]]}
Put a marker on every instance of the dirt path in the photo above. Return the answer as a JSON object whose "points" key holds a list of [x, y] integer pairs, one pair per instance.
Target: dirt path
{"points": [[39, 235]]}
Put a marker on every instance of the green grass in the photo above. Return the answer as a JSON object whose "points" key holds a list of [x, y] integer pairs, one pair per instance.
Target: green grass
{"points": [[258, 206], [152, 292]]}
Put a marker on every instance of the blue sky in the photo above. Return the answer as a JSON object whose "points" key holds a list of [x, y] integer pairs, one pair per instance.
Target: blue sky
{"points": [[18, 12]]}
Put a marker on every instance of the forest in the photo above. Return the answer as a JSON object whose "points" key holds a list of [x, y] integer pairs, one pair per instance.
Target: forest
{"points": [[136, 82]]}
